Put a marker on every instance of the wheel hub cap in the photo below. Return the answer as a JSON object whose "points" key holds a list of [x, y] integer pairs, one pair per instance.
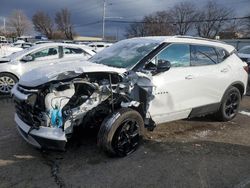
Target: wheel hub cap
{"points": [[232, 105], [128, 137], [6, 84]]}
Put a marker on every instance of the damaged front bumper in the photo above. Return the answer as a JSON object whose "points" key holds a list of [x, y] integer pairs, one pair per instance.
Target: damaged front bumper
{"points": [[42, 138], [46, 115]]}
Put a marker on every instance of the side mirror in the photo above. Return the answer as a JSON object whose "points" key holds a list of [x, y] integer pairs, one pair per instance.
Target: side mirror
{"points": [[27, 58], [163, 65]]}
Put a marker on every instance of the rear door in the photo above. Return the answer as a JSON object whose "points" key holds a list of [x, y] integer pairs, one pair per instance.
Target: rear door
{"points": [[75, 53], [194, 84], [211, 75]]}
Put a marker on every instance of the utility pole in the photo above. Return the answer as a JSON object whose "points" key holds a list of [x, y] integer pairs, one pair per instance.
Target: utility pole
{"points": [[4, 25], [117, 33], [103, 19]]}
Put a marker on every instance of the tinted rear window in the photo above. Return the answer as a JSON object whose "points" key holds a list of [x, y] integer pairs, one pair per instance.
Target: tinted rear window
{"points": [[203, 55]]}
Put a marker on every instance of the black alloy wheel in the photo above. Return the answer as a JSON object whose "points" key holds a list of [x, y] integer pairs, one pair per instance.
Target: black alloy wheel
{"points": [[126, 138], [232, 104], [229, 105]]}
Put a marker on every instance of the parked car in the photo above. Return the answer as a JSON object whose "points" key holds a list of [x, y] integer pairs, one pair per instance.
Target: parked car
{"points": [[22, 44], [13, 66], [6, 50], [132, 85], [3, 40], [42, 42], [99, 46], [244, 54], [18, 43]]}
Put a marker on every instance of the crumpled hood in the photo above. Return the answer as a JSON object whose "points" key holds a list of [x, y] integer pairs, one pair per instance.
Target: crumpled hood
{"points": [[62, 71]]}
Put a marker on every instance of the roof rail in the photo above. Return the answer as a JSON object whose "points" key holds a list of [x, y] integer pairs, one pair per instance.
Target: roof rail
{"points": [[199, 38]]}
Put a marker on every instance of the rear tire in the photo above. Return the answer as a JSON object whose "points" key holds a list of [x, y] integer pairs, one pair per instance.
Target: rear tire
{"points": [[120, 133], [7, 82], [229, 105]]}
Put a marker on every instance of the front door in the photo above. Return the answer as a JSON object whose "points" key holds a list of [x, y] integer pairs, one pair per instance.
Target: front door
{"points": [[42, 57], [174, 89]]}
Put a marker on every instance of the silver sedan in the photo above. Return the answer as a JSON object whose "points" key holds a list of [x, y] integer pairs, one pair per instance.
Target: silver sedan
{"points": [[14, 65]]}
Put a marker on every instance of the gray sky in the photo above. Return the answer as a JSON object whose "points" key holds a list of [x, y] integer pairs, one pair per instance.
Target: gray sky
{"points": [[86, 12]]}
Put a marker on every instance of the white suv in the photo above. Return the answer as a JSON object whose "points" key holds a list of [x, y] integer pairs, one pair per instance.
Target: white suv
{"points": [[132, 85]]}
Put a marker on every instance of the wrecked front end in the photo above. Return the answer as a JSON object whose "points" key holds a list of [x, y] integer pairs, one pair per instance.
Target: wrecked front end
{"points": [[47, 115]]}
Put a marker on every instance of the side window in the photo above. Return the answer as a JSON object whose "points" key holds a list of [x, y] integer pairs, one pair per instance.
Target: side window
{"points": [[100, 46], [203, 55], [48, 53], [68, 50], [222, 54], [177, 54]]}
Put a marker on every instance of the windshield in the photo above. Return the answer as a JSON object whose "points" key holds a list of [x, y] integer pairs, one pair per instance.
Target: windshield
{"points": [[126, 53], [19, 53]]}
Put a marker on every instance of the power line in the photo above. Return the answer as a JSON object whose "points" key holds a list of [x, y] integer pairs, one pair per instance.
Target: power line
{"points": [[191, 21], [130, 22], [88, 24]]}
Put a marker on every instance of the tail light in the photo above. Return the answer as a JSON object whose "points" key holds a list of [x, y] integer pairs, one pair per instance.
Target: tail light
{"points": [[246, 68]]}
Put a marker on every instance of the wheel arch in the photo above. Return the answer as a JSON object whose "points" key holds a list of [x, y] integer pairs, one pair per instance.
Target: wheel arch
{"points": [[6, 72], [111, 124], [240, 86], [221, 113]]}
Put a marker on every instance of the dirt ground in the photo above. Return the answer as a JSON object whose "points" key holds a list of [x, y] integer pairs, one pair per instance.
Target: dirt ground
{"points": [[200, 153]]}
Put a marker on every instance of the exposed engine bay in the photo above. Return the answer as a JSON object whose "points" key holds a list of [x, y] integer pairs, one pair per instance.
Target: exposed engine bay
{"points": [[85, 100]]}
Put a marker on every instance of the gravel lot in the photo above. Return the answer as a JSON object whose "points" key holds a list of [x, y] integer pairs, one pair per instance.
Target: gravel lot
{"points": [[189, 153]]}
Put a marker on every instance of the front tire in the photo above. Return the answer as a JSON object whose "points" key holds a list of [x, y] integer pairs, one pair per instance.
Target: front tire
{"points": [[121, 132], [7, 82], [229, 105]]}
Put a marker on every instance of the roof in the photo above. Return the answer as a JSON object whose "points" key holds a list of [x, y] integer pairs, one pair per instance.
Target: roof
{"points": [[51, 44], [190, 40], [57, 44], [63, 44]]}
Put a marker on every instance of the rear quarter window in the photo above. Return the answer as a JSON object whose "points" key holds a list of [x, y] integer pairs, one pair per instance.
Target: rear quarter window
{"points": [[203, 55], [222, 54]]}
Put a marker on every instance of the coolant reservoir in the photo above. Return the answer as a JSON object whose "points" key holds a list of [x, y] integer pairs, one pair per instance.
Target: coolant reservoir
{"points": [[54, 103], [56, 119]]}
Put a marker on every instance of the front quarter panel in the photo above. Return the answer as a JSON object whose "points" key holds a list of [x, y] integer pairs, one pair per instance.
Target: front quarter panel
{"points": [[13, 68]]}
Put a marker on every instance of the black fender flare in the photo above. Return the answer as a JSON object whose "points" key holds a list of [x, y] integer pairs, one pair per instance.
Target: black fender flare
{"points": [[239, 85]]}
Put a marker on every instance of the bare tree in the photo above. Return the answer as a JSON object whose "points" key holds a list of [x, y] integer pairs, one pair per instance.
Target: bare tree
{"points": [[233, 29], [246, 25], [43, 24], [211, 19], [19, 23], [159, 23], [183, 14], [135, 30], [63, 21]]}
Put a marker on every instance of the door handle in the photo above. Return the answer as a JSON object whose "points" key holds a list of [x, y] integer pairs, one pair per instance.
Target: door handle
{"points": [[189, 77], [224, 70]]}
